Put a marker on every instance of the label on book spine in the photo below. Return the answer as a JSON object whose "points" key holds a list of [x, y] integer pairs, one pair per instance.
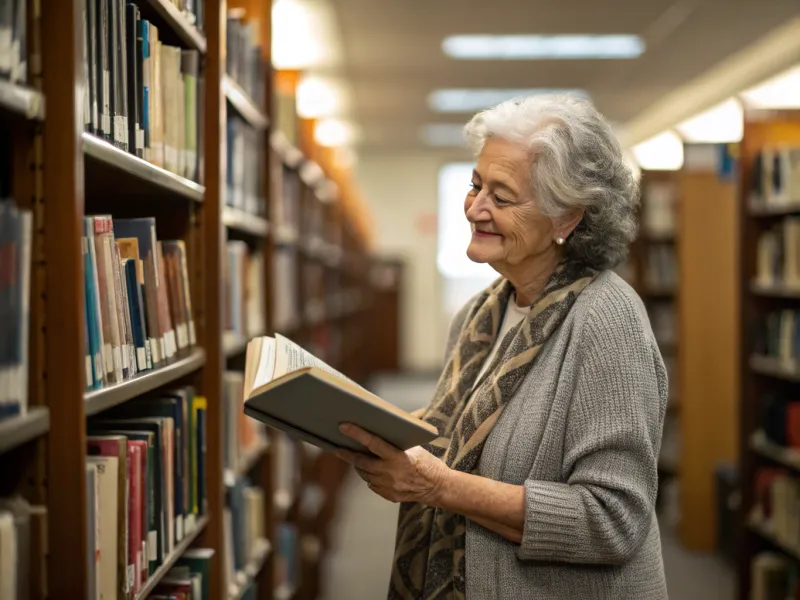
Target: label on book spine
{"points": [[108, 357], [170, 158], [5, 43], [129, 575], [183, 340], [119, 136], [155, 355], [89, 376], [190, 524], [106, 103], [95, 120], [98, 366], [179, 527], [152, 543], [192, 336], [143, 558], [141, 359], [162, 346], [172, 347], [139, 138], [124, 356], [117, 357]]}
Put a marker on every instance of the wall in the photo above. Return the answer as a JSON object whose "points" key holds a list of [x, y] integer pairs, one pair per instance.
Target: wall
{"points": [[402, 194]]}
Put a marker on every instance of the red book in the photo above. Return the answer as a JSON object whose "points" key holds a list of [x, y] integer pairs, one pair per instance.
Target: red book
{"points": [[144, 563], [135, 507]]}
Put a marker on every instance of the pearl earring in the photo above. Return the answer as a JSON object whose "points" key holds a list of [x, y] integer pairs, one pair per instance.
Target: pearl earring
{"points": [[560, 241]]}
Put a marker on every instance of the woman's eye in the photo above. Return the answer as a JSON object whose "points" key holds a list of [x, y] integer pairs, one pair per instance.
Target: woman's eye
{"points": [[500, 202]]}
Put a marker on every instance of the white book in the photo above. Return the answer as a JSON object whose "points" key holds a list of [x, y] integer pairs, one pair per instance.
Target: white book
{"points": [[108, 505], [8, 556]]}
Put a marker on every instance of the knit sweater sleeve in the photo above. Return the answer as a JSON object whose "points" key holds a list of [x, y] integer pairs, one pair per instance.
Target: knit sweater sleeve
{"points": [[602, 511]]}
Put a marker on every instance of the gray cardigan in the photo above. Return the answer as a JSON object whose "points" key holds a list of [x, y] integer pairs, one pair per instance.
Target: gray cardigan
{"points": [[582, 434]]}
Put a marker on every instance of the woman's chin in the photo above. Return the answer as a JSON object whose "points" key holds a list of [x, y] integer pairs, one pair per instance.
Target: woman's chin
{"points": [[479, 255]]}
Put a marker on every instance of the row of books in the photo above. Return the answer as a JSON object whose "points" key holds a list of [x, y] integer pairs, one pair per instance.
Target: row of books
{"points": [[193, 11], [138, 300], [777, 335], [245, 167], [777, 506], [286, 197], [774, 577], [145, 487], [285, 306], [245, 530], [13, 41], [189, 579], [287, 558], [242, 434], [661, 268], [778, 254], [245, 290], [16, 533], [659, 200], [780, 419], [244, 63], [776, 176], [143, 96], [15, 277]]}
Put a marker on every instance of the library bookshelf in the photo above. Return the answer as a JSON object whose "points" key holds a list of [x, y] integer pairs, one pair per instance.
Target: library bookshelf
{"points": [[769, 373], [61, 173]]}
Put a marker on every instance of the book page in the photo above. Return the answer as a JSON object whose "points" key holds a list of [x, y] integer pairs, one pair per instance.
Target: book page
{"points": [[291, 357], [266, 363]]}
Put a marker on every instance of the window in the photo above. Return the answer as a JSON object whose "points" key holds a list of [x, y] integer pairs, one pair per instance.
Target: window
{"points": [[454, 230]]}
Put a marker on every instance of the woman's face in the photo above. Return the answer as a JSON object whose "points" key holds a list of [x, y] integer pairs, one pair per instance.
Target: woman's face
{"points": [[507, 227]]}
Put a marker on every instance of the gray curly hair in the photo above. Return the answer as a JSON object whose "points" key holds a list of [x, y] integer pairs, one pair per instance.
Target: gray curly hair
{"points": [[576, 163]]}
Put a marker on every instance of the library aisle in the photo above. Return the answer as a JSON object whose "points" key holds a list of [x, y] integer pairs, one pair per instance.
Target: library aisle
{"points": [[359, 562]]}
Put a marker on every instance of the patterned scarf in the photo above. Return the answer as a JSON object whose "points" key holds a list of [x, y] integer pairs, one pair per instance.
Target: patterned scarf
{"points": [[429, 561]]}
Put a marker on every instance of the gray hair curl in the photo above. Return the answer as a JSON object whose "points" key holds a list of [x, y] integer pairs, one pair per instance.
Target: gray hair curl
{"points": [[576, 163]]}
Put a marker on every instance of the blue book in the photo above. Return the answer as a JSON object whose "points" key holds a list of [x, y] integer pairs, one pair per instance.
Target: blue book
{"points": [[142, 66], [137, 316], [100, 352]]}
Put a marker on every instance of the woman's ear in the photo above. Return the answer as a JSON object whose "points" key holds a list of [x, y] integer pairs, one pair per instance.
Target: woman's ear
{"points": [[567, 224]]}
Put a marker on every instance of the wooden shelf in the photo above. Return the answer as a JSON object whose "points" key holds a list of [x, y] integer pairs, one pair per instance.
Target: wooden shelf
{"points": [[21, 101], [246, 463], [774, 210], [125, 162], [777, 290], [17, 431], [788, 457], [252, 569], [170, 561], [179, 24], [774, 367], [147, 381], [239, 220], [761, 530], [243, 104]]}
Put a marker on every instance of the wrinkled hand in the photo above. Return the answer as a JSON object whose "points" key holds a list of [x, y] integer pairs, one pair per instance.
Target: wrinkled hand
{"points": [[415, 475]]}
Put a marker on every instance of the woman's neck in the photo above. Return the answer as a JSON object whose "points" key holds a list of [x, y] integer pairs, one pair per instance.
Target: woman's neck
{"points": [[530, 277]]}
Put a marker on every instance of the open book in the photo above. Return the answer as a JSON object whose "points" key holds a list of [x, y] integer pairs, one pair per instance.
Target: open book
{"points": [[292, 390]]}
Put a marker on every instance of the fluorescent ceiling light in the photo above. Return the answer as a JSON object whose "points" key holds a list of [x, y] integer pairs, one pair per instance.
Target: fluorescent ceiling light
{"points": [[526, 47], [721, 124], [779, 92], [474, 99], [443, 135], [663, 152], [320, 97], [332, 133]]}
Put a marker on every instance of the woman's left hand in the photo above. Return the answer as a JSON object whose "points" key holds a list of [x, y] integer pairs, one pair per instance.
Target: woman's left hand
{"points": [[411, 476]]}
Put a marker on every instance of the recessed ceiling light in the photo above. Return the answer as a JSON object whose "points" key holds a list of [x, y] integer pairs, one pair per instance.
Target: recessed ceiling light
{"points": [[474, 99], [528, 47], [723, 123], [663, 152], [782, 91], [331, 133]]}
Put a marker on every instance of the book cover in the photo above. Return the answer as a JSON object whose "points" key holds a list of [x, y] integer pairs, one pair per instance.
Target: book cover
{"points": [[108, 511]]}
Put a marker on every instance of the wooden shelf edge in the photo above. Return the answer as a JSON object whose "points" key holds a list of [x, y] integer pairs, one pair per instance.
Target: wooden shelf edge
{"points": [[16, 431], [760, 444], [760, 530], [109, 154], [180, 24], [774, 367], [253, 568], [237, 219], [99, 400], [773, 210], [170, 561], [22, 101], [777, 290], [243, 104]]}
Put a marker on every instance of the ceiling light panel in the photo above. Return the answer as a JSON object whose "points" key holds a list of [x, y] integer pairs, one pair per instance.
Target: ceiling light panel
{"points": [[538, 47], [781, 92], [723, 123], [473, 99], [663, 152]]}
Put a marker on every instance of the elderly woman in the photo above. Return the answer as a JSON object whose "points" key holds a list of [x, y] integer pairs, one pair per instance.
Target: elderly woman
{"points": [[551, 404]]}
